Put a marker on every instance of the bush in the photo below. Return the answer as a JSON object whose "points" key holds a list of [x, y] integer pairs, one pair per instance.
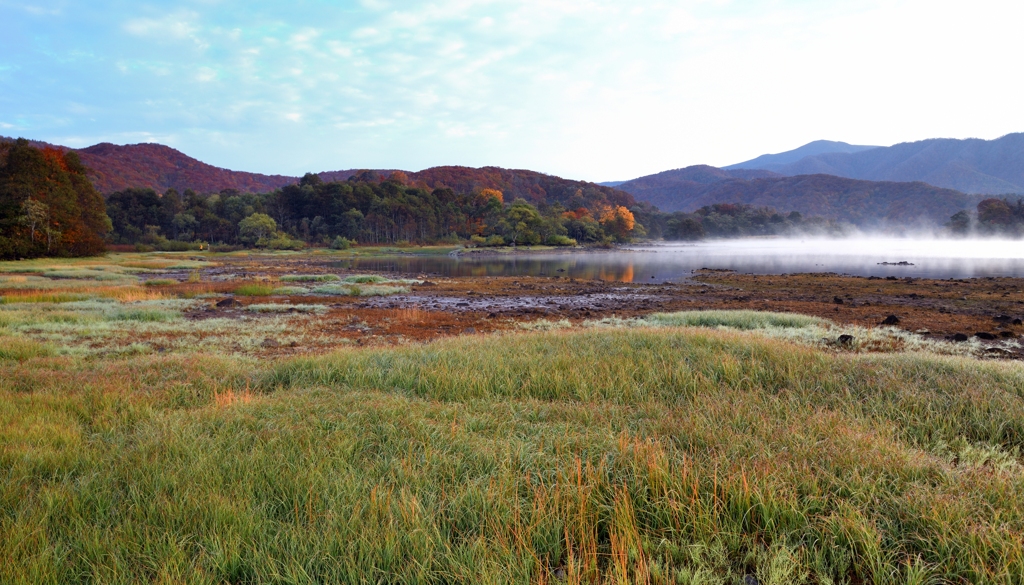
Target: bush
{"points": [[477, 240], [283, 242], [175, 246], [494, 240], [556, 240], [342, 243]]}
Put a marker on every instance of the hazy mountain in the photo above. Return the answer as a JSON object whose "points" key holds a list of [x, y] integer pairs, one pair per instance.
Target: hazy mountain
{"points": [[772, 162], [864, 203], [973, 165]]}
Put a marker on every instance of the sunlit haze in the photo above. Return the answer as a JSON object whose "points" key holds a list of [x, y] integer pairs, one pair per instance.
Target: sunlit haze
{"points": [[587, 90]]}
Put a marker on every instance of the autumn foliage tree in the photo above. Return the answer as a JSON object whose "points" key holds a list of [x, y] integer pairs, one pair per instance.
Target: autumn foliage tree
{"points": [[48, 207], [618, 222]]}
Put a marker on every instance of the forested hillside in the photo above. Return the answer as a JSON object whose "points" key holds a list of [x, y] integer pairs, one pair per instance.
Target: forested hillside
{"points": [[48, 207], [863, 203], [370, 209]]}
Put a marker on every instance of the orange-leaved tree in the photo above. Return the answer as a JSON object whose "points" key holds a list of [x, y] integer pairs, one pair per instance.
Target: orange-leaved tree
{"points": [[618, 222]]}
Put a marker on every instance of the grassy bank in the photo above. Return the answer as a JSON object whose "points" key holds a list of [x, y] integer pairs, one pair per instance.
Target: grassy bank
{"points": [[663, 455]]}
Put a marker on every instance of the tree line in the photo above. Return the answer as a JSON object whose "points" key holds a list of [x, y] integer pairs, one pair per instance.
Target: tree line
{"points": [[993, 217], [49, 207]]}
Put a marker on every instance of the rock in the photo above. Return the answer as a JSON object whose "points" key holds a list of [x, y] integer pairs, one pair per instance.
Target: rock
{"points": [[891, 278], [984, 335], [922, 332], [268, 342], [959, 337], [750, 580], [426, 283], [845, 340], [228, 303], [891, 320], [1007, 334], [469, 330], [1002, 318], [837, 300], [1017, 322], [559, 573], [998, 351]]}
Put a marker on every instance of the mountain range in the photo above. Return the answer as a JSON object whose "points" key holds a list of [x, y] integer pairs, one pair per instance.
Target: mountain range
{"points": [[994, 167], [155, 166], [863, 203], [860, 184]]}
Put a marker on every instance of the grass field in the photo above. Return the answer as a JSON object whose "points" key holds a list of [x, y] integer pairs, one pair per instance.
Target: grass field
{"points": [[669, 455], [138, 444]]}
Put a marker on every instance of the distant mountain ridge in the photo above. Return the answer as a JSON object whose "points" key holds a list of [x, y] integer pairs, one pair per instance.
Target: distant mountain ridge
{"points": [[155, 166], [994, 167], [771, 162], [863, 203]]}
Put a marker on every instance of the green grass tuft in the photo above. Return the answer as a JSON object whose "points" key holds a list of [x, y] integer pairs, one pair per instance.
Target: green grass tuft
{"points": [[255, 290], [309, 278], [365, 279], [357, 290], [21, 349], [283, 308], [160, 282], [290, 290]]}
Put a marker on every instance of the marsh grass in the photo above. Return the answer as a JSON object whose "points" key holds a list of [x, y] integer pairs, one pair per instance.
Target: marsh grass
{"points": [[285, 308], [160, 282], [628, 455], [310, 278], [20, 349], [290, 290], [254, 290], [364, 279], [802, 329], [357, 290], [10, 297]]}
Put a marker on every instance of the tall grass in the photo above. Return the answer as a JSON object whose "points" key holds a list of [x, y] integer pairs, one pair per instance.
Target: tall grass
{"points": [[618, 455]]}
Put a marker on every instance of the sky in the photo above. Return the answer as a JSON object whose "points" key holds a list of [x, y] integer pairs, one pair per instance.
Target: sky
{"points": [[588, 89]]}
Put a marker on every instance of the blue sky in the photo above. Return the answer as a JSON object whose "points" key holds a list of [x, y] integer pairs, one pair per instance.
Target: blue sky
{"points": [[591, 89]]}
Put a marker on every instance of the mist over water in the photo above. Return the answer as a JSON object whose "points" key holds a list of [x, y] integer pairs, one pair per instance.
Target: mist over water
{"points": [[672, 262]]}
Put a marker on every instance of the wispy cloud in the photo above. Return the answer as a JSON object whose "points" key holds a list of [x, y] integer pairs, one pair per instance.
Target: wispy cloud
{"points": [[594, 88]]}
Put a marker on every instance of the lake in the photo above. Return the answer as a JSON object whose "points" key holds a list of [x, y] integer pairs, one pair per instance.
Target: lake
{"points": [[925, 258]]}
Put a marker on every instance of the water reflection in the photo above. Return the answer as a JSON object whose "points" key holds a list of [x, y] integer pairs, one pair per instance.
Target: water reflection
{"points": [[931, 258]]}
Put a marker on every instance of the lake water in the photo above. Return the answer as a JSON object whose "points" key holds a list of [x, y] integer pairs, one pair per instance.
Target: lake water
{"points": [[930, 258]]}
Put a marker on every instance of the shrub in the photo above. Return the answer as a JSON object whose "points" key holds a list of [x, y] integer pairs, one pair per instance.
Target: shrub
{"points": [[160, 281], [342, 243], [283, 242], [289, 290], [477, 240], [494, 240], [555, 240]]}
